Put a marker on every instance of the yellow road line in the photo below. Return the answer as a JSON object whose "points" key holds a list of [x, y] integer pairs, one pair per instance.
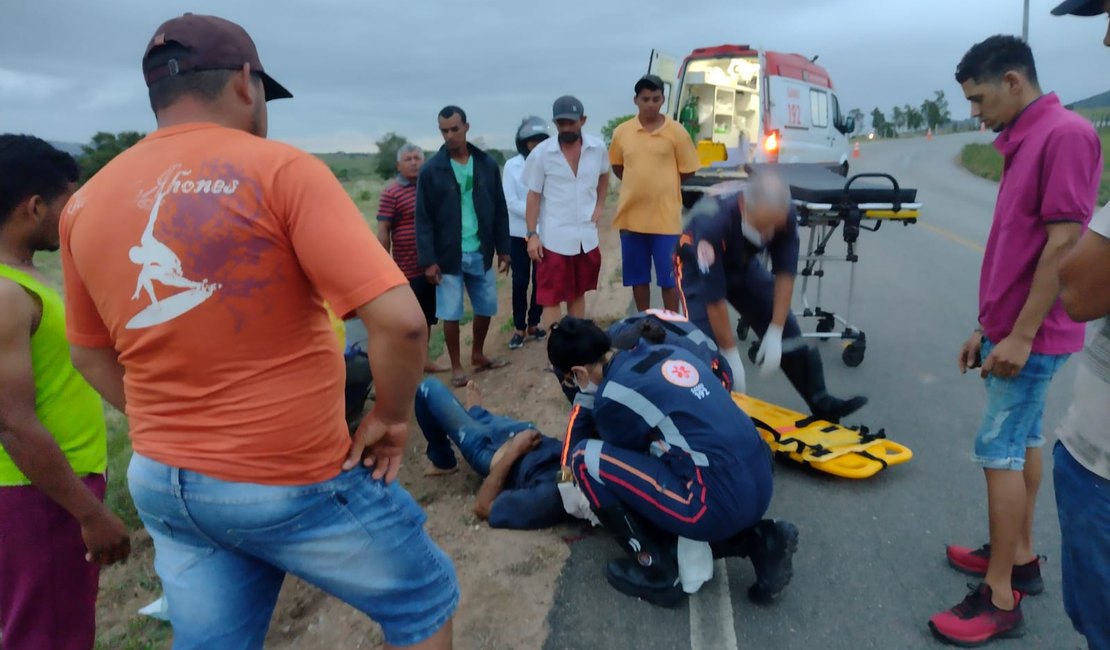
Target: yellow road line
{"points": [[951, 236]]}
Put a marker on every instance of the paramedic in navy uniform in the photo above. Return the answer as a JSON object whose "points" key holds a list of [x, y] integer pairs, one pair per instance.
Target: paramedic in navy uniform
{"points": [[716, 264], [662, 452]]}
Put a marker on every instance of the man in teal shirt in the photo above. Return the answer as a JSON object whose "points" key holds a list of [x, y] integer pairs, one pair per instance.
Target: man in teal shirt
{"points": [[461, 223]]}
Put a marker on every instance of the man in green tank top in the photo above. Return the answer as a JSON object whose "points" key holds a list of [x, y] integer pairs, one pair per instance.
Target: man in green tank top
{"points": [[55, 530]]}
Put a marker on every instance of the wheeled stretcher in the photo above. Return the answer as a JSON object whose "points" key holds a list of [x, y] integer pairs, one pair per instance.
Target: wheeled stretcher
{"points": [[826, 202]]}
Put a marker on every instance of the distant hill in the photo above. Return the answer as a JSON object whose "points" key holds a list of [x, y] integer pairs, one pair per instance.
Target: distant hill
{"points": [[1101, 100], [72, 148]]}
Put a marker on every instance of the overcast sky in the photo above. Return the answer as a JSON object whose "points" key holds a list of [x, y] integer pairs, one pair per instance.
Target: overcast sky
{"points": [[361, 68]]}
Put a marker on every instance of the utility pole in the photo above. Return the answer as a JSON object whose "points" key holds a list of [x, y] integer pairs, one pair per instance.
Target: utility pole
{"points": [[1025, 23]]}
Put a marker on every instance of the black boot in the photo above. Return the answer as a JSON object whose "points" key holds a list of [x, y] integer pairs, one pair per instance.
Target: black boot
{"points": [[739, 545], [771, 547], [652, 571], [804, 370]]}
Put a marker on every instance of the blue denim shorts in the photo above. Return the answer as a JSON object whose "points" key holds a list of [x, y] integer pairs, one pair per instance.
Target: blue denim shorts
{"points": [[638, 252], [1015, 412], [480, 284], [223, 549]]}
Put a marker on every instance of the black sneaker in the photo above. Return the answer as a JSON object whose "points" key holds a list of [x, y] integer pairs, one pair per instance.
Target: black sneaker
{"points": [[537, 333], [1025, 578], [772, 556], [517, 341], [629, 578]]}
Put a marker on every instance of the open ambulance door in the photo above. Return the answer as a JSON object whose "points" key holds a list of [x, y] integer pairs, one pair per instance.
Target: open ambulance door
{"points": [[665, 67]]}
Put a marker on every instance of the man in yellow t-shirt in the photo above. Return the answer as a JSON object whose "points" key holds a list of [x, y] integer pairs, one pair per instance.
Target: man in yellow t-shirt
{"points": [[55, 531], [651, 154]]}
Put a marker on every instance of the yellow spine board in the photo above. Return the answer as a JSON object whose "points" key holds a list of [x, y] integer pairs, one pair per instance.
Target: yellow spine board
{"points": [[822, 445]]}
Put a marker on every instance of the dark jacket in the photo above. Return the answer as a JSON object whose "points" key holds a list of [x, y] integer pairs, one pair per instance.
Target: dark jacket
{"points": [[439, 211]]}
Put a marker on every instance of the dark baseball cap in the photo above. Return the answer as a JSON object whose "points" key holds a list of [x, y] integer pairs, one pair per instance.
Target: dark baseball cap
{"points": [[1079, 8], [212, 43], [649, 81], [567, 108]]}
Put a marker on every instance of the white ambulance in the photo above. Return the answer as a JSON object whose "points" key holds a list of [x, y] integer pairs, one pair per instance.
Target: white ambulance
{"points": [[743, 105]]}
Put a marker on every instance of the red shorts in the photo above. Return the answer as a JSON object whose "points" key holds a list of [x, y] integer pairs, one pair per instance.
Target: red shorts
{"points": [[565, 278]]}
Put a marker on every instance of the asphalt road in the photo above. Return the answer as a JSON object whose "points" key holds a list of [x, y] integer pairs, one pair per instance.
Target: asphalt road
{"points": [[870, 567]]}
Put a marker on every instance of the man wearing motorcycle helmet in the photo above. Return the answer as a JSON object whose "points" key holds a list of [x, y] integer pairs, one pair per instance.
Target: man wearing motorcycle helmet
{"points": [[526, 313]]}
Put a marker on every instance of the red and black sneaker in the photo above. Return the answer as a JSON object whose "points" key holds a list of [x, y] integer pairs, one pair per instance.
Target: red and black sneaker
{"points": [[976, 620], [1025, 578]]}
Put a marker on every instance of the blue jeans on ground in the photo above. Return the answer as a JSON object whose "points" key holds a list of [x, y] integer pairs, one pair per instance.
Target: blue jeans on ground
{"points": [[222, 550], [477, 433], [526, 313], [1083, 503]]}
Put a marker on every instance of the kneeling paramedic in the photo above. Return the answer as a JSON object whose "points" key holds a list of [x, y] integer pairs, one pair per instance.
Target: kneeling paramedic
{"points": [[717, 265], [669, 464]]}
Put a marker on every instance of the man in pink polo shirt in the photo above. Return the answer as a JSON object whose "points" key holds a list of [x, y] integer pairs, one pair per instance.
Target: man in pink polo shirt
{"points": [[1052, 167]]}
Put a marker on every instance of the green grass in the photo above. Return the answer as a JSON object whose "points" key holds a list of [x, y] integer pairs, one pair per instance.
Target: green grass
{"points": [[118, 498], [984, 160], [141, 633]]}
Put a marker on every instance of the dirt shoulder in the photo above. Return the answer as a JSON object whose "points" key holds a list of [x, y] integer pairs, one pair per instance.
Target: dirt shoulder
{"points": [[507, 578]]}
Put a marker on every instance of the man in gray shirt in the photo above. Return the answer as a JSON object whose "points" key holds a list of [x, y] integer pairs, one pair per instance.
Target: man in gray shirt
{"points": [[1081, 467]]}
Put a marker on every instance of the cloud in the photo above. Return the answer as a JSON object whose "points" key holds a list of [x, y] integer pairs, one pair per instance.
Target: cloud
{"points": [[361, 69]]}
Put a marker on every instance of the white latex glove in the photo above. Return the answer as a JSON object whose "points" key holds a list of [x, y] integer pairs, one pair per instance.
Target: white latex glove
{"points": [[706, 256], [770, 350], [732, 356], [575, 503]]}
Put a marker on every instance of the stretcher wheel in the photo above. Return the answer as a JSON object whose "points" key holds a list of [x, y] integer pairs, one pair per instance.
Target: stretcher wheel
{"points": [[826, 325], [853, 354]]}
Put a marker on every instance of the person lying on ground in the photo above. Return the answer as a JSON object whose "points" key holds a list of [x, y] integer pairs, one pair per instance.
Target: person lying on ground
{"points": [[519, 464]]}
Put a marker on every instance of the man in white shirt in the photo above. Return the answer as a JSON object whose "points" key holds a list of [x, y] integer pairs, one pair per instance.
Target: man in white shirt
{"points": [[526, 313], [567, 179], [1081, 458]]}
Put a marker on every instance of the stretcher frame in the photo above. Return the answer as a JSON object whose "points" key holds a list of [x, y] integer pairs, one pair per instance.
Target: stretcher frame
{"points": [[824, 219]]}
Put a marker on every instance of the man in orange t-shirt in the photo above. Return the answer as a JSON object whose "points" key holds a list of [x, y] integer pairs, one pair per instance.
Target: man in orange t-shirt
{"points": [[197, 264]]}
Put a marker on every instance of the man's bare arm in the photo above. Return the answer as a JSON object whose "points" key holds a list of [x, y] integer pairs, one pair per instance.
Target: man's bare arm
{"points": [[494, 483], [491, 487], [1046, 279], [101, 368], [532, 210], [602, 190], [1085, 278], [385, 230], [399, 338], [32, 448]]}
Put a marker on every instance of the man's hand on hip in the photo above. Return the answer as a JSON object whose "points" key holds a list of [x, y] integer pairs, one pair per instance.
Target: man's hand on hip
{"points": [[379, 445]]}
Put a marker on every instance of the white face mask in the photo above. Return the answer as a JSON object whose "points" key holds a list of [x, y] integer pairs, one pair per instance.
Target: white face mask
{"points": [[590, 388]]}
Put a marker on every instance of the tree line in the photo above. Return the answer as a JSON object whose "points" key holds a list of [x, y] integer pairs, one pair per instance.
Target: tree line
{"points": [[931, 114]]}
